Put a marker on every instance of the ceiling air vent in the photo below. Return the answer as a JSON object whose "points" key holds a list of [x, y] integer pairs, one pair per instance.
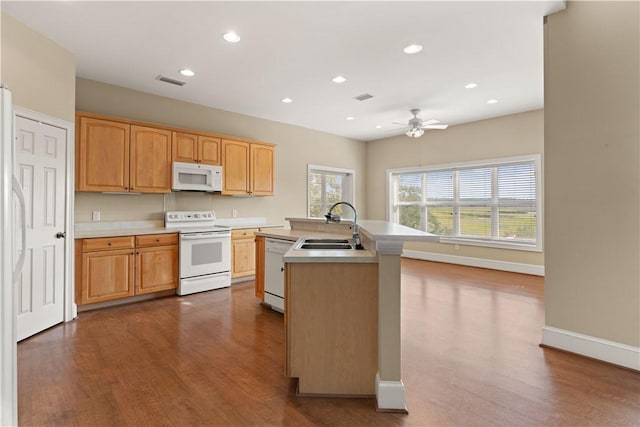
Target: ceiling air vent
{"points": [[363, 97], [170, 80]]}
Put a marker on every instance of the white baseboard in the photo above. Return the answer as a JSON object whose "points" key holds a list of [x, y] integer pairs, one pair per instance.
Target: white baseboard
{"points": [[596, 348], [515, 267], [390, 395]]}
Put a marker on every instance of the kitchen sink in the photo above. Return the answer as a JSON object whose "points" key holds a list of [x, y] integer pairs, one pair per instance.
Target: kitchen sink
{"points": [[324, 246], [326, 241]]}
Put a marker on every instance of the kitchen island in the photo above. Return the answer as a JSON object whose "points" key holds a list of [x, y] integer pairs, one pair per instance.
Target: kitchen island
{"points": [[342, 312]]}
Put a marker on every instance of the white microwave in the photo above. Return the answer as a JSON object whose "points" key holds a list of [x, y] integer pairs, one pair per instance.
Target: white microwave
{"points": [[195, 177]]}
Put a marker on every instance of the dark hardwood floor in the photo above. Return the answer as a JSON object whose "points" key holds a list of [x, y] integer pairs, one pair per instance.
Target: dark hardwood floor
{"points": [[470, 358]]}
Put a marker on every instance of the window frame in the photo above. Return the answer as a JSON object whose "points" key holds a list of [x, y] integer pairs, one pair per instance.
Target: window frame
{"points": [[470, 241], [350, 189]]}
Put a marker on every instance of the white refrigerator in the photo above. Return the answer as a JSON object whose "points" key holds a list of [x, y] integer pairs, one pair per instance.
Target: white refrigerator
{"points": [[8, 268]]}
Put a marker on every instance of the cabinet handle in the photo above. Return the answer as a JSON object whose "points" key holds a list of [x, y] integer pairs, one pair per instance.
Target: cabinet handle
{"points": [[158, 240], [109, 243]]}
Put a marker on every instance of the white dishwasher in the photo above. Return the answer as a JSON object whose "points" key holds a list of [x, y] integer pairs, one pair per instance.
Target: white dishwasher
{"points": [[274, 272]]}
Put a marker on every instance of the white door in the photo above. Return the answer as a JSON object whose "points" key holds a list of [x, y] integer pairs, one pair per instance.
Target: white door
{"points": [[40, 167]]}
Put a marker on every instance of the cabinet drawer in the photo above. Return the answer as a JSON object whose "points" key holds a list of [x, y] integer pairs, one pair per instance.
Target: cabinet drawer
{"points": [[104, 243], [243, 233], [156, 240]]}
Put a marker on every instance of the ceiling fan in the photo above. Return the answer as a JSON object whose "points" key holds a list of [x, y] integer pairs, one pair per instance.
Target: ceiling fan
{"points": [[416, 125]]}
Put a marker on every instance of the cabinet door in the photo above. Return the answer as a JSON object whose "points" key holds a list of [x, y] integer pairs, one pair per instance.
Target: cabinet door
{"points": [[235, 162], [243, 255], [107, 275], [261, 170], [260, 266], [185, 147], [102, 155], [150, 160], [156, 269], [209, 150]]}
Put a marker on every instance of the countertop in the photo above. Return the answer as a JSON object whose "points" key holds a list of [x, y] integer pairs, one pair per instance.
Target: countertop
{"points": [[376, 235], [305, 255], [88, 230]]}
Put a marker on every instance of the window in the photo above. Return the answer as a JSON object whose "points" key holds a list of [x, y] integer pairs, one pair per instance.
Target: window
{"points": [[489, 203], [326, 186]]}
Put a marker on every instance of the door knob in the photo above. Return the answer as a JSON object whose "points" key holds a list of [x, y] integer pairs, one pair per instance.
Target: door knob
{"points": [[61, 235]]}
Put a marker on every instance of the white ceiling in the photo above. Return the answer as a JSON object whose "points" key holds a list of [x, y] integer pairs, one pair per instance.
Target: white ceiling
{"points": [[294, 49]]}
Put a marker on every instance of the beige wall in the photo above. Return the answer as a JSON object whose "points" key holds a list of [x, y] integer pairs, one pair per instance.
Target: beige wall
{"points": [[296, 147], [39, 73], [592, 151], [513, 135]]}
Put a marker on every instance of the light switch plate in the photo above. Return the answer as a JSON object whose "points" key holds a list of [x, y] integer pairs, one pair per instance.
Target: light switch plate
{"points": [[95, 216]]}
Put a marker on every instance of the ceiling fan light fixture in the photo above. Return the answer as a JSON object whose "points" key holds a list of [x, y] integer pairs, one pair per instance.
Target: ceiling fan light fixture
{"points": [[414, 133]]}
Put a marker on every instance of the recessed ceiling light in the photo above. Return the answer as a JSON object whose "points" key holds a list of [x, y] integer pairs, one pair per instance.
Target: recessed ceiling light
{"points": [[339, 79], [350, 118], [492, 101], [287, 100], [412, 48], [187, 72], [470, 85], [231, 37], [378, 126]]}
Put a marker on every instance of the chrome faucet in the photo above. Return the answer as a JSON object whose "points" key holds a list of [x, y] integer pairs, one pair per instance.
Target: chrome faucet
{"points": [[336, 218]]}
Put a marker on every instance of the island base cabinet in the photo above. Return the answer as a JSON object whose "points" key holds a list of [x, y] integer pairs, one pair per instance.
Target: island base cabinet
{"points": [[331, 324]]}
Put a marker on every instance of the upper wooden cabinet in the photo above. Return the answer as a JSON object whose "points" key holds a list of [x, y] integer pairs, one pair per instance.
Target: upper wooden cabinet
{"points": [[150, 167], [192, 148], [114, 156], [119, 155], [261, 171], [102, 155], [248, 168]]}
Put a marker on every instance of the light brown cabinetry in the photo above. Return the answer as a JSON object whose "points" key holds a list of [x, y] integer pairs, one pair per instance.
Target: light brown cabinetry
{"points": [[243, 252], [320, 299], [119, 267], [156, 263], [102, 155], [113, 156], [192, 148], [150, 160], [260, 266], [248, 168]]}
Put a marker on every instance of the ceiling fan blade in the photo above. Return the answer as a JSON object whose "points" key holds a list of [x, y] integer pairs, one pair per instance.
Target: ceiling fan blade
{"points": [[401, 124], [430, 122], [435, 126]]}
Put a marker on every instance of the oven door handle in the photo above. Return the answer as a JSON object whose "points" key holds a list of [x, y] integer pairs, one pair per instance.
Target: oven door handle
{"points": [[202, 236]]}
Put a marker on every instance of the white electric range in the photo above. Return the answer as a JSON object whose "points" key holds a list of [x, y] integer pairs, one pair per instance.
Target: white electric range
{"points": [[205, 251]]}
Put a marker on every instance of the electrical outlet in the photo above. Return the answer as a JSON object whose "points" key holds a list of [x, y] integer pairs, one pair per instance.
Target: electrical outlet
{"points": [[234, 213], [95, 216]]}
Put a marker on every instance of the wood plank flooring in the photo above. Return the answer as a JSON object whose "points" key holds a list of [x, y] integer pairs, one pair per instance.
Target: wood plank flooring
{"points": [[470, 358]]}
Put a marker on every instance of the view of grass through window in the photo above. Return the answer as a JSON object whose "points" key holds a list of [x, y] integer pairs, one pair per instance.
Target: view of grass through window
{"points": [[497, 202], [326, 187]]}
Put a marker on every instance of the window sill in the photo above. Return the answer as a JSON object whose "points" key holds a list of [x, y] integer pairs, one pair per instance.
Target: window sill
{"points": [[491, 244]]}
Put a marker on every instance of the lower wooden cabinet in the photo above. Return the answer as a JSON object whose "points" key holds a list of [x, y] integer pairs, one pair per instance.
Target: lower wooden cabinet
{"points": [[243, 252], [156, 266], [120, 267]]}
